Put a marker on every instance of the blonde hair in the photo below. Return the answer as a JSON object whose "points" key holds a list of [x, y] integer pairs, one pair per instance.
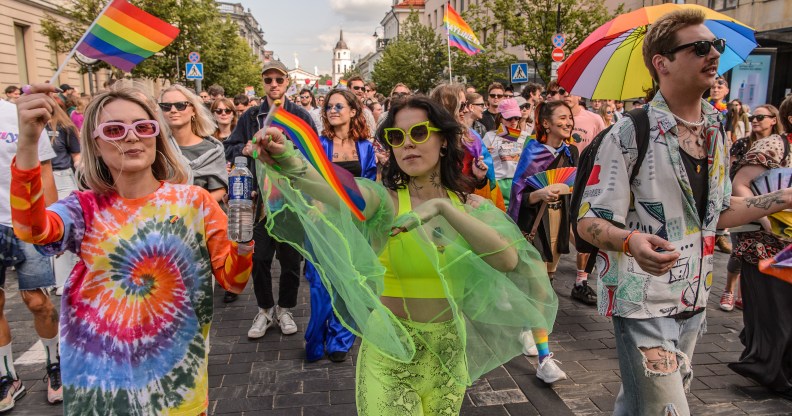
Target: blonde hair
{"points": [[95, 175], [203, 124], [661, 36], [82, 103]]}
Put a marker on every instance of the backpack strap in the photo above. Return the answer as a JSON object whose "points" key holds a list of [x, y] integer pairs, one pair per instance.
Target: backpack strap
{"points": [[640, 118]]}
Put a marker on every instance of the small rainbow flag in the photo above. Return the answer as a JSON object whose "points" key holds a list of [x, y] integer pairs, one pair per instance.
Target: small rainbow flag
{"points": [[508, 133], [124, 35], [342, 82], [306, 140], [459, 33]]}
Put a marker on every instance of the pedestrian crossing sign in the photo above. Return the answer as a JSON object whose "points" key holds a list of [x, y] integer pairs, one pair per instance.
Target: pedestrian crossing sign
{"points": [[519, 72], [195, 70]]}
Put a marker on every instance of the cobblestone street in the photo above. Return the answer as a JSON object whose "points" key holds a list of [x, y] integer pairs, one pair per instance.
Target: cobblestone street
{"points": [[269, 376]]}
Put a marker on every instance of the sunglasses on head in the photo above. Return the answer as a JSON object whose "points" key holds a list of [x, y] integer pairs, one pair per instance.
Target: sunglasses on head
{"points": [[337, 107], [279, 80], [418, 133], [496, 96], [701, 47], [180, 105], [116, 130], [223, 111], [759, 117], [558, 91]]}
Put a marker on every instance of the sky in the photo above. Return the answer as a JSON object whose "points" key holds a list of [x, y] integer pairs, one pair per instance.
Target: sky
{"points": [[310, 28]]}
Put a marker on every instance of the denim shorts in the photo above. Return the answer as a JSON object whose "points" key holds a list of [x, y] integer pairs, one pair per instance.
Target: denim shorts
{"points": [[34, 273], [649, 392]]}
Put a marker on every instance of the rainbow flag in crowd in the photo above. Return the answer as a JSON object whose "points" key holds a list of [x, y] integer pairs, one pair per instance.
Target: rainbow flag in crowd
{"points": [[124, 35], [306, 140], [508, 132], [459, 33]]}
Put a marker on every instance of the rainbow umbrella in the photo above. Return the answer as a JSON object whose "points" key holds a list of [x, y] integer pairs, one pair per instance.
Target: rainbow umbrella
{"points": [[609, 63]]}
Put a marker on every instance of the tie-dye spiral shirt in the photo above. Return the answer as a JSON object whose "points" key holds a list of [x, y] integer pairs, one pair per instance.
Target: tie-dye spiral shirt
{"points": [[136, 310]]}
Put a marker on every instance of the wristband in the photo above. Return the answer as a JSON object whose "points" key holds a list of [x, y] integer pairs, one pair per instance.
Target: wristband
{"points": [[626, 243]]}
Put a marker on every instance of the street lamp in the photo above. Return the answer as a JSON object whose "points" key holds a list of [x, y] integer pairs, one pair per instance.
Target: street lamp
{"points": [[89, 64]]}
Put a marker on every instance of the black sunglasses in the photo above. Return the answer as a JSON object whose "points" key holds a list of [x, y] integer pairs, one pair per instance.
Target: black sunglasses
{"points": [[180, 105], [279, 80], [525, 107], [219, 111], [496, 96], [759, 117], [357, 88], [554, 92], [701, 47], [400, 94]]}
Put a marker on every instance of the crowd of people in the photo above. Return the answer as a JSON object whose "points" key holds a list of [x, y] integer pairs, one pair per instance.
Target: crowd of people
{"points": [[117, 201]]}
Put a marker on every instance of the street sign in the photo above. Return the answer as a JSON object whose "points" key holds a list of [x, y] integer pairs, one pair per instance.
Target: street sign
{"points": [[519, 72], [554, 69], [558, 54], [194, 70], [559, 40], [194, 57]]}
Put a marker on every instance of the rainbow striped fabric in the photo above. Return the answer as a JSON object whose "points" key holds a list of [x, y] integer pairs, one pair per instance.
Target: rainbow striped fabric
{"points": [[124, 35], [459, 33], [306, 140], [508, 132]]}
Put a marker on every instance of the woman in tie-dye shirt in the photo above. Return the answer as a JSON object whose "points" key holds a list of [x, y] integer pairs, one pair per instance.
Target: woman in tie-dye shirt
{"points": [[136, 310]]}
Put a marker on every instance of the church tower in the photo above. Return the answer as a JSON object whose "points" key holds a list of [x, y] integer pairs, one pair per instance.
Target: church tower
{"points": [[342, 59]]}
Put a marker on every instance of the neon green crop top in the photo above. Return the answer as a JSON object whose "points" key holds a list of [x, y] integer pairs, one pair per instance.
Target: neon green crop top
{"points": [[413, 273]]}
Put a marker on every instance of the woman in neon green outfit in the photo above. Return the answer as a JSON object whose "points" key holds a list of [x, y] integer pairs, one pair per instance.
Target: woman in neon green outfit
{"points": [[437, 282]]}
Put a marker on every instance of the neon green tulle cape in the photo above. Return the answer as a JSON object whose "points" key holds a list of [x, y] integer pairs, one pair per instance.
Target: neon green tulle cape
{"points": [[490, 308]]}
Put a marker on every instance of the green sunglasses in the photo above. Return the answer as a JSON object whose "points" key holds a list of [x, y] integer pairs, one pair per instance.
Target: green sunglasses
{"points": [[418, 133]]}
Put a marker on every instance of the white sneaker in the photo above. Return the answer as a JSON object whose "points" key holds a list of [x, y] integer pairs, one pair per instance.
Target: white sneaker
{"points": [[529, 346], [261, 323], [549, 371], [285, 320], [59, 291]]}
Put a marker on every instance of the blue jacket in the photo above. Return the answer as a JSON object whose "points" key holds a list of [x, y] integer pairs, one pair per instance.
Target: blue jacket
{"points": [[365, 151]]}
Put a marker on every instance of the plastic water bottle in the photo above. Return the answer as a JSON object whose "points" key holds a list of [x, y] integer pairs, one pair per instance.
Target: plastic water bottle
{"points": [[240, 205]]}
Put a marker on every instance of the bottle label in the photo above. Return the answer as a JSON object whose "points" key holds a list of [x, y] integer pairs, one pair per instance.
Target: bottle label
{"points": [[239, 187]]}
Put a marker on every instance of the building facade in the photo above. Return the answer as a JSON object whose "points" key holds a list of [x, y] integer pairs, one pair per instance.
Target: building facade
{"points": [[249, 28], [342, 58], [26, 55]]}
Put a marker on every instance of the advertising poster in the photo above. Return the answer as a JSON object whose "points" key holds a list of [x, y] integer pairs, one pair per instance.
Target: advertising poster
{"points": [[750, 81]]}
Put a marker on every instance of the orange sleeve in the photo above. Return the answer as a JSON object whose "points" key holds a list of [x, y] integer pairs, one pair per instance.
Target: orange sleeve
{"points": [[231, 269], [30, 219]]}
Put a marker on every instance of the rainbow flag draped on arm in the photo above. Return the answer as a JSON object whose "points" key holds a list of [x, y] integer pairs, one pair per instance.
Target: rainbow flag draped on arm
{"points": [[459, 33], [124, 35], [306, 140]]}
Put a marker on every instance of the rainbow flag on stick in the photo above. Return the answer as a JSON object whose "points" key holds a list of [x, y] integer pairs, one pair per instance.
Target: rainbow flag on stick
{"points": [[508, 132], [459, 33], [306, 140], [124, 35]]}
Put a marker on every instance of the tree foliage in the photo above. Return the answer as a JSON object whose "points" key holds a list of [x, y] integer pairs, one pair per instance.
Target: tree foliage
{"points": [[417, 58], [484, 67], [227, 58], [532, 24]]}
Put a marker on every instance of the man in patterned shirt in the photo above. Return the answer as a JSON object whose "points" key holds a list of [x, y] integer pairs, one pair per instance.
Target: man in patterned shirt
{"points": [[657, 234]]}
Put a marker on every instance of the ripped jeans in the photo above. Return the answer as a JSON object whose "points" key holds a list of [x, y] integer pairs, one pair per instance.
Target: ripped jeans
{"points": [[654, 360]]}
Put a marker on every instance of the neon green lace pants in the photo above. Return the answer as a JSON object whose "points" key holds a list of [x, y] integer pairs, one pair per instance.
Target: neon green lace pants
{"points": [[424, 386]]}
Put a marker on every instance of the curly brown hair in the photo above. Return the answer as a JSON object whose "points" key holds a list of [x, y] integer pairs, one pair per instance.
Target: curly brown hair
{"points": [[358, 128]]}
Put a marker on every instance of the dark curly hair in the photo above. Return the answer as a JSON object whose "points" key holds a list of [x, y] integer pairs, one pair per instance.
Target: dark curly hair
{"points": [[544, 111], [451, 175], [358, 128]]}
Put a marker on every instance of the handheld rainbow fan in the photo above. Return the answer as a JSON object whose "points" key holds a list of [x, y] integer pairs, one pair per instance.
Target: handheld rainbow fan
{"points": [[565, 176], [771, 181]]}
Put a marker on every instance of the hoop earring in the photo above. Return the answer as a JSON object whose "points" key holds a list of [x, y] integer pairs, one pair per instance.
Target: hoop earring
{"points": [[443, 151]]}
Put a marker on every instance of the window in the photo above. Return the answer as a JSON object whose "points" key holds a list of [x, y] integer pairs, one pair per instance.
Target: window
{"points": [[21, 52], [723, 4], [461, 5]]}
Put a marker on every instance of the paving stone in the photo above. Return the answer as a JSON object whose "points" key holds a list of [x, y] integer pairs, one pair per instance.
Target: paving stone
{"points": [[723, 409], [542, 397], [521, 409], [590, 377], [604, 403], [337, 410], [342, 396], [718, 382], [325, 385], [581, 405], [484, 411], [490, 398], [765, 407], [226, 393], [271, 389], [591, 344], [588, 334], [594, 365], [302, 400], [502, 383], [727, 395], [292, 375], [243, 405]]}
